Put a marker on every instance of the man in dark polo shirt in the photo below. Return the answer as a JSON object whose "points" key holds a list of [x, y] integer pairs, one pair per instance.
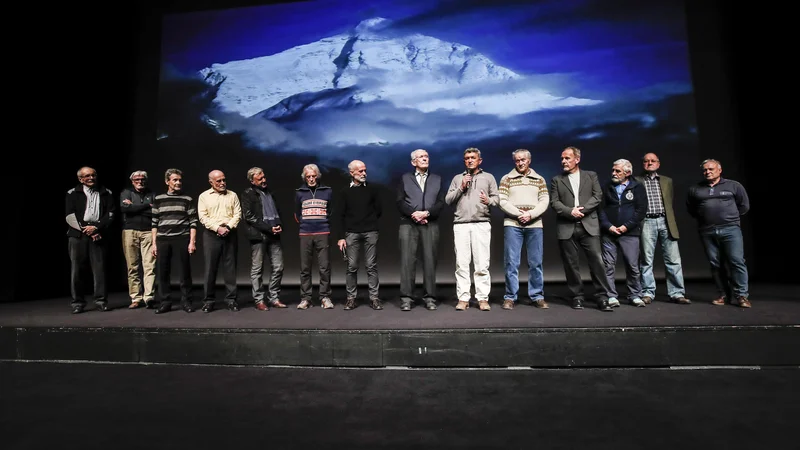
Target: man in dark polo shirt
{"points": [[718, 204]]}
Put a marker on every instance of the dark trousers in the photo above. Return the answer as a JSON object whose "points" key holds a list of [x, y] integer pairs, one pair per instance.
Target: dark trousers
{"points": [[411, 237], [84, 251], [355, 243], [630, 257], [309, 246], [218, 250], [593, 252], [166, 248]]}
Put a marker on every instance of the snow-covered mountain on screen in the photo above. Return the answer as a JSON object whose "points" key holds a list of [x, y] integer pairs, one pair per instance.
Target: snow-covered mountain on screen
{"points": [[371, 64]]}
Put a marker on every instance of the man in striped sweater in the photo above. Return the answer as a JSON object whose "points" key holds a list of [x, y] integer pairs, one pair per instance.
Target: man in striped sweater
{"points": [[174, 233], [523, 198]]}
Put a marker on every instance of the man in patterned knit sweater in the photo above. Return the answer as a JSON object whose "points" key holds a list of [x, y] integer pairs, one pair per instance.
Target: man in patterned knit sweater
{"points": [[313, 211], [523, 198], [174, 233]]}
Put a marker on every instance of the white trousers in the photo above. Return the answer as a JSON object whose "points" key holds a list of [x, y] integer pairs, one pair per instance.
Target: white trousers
{"points": [[472, 242]]}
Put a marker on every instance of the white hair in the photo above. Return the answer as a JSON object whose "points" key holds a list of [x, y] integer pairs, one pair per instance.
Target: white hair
{"points": [[626, 165]]}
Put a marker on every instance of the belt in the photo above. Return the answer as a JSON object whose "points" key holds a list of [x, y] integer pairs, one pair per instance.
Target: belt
{"points": [[654, 216]]}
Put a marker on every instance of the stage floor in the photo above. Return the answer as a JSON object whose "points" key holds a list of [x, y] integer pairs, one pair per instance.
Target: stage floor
{"points": [[777, 305]]}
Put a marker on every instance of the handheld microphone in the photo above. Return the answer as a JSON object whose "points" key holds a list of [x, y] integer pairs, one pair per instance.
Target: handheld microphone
{"points": [[469, 183]]}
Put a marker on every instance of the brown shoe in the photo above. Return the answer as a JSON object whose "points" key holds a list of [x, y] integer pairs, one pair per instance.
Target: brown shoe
{"points": [[508, 304], [541, 304], [262, 306], [135, 305], [647, 300], [277, 304], [718, 302], [744, 302], [484, 305], [462, 305], [350, 304], [682, 300]]}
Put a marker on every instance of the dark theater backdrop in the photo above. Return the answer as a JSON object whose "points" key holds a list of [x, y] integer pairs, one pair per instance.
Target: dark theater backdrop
{"points": [[231, 85]]}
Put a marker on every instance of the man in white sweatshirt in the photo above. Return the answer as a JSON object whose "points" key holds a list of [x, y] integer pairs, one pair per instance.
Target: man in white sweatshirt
{"points": [[523, 198]]}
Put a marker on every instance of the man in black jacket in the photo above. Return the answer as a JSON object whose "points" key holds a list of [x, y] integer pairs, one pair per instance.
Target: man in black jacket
{"points": [[420, 199], [90, 210], [621, 215], [136, 205], [264, 233]]}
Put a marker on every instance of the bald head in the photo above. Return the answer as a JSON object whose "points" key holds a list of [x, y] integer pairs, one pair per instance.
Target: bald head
{"points": [[216, 178], [358, 171]]}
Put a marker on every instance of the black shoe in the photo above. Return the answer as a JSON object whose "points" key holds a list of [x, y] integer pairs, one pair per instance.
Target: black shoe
{"points": [[187, 307], [603, 305], [208, 307], [77, 309], [350, 304], [577, 303], [150, 304], [233, 306], [431, 306], [376, 304], [164, 308], [103, 307]]}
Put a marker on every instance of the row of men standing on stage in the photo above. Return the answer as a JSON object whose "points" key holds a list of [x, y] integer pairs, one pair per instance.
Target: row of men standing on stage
{"points": [[629, 214]]}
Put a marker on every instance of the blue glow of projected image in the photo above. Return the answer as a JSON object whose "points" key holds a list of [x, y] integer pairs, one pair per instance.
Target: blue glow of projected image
{"points": [[375, 79]]}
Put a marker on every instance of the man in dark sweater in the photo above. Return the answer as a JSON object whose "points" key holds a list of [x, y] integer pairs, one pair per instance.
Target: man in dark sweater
{"points": [[312, 211], [174, 230], [136, 204], [89, 212], [621, 214], [358, 209], [420, 199], [717, 204]]}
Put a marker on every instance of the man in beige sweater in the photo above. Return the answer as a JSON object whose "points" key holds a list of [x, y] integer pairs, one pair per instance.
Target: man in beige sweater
{"points": [[523, 198]]}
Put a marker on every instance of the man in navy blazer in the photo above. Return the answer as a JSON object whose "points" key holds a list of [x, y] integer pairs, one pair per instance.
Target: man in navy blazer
{"points": [[420, 199], [624, 208], [577, 226]]}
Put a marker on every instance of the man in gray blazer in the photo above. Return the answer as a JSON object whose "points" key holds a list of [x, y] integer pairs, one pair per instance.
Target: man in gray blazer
{"points": [[420, 199], [577, 225], [660, 227]]}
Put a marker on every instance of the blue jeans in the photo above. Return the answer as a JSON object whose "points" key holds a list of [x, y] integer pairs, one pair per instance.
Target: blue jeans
{"points": [[513, 240], [725, 251], [653, 232]]}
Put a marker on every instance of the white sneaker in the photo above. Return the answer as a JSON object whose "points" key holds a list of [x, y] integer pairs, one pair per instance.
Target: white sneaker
{"points": [[613, 302], [637, 302]]}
